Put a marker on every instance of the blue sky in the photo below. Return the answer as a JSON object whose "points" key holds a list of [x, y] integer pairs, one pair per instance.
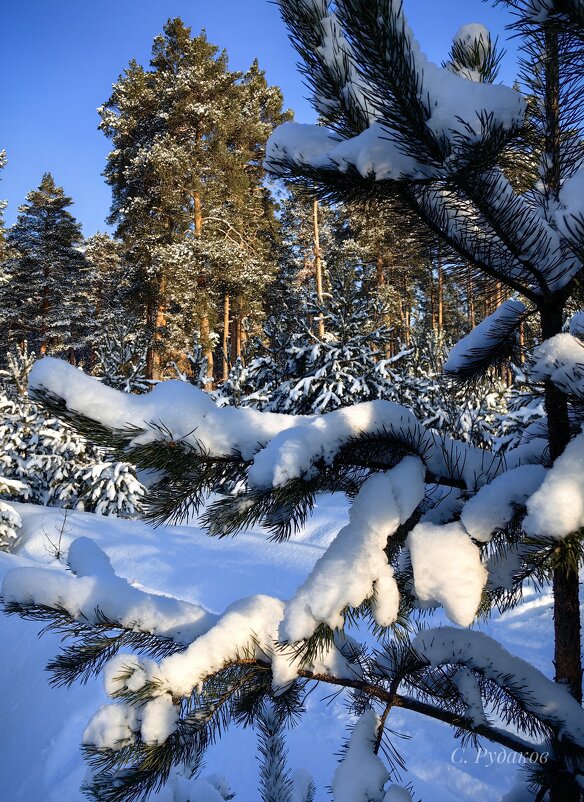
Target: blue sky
{"points": [[59, 58]]}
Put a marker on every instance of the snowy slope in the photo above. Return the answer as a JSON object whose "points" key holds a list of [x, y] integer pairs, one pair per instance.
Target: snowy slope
{"points": [[42, 726]]}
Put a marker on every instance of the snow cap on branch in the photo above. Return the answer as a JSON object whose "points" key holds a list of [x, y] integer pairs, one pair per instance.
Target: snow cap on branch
{"points": [[98, 590], [361, 775], [556, 509], [549, 701], [355, 566], [495, 503], [561, 360], [447, 569], [485, 341]]}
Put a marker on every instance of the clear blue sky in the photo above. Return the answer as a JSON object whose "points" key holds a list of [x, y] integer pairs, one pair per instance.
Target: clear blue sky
{"points": [[59, 58]]}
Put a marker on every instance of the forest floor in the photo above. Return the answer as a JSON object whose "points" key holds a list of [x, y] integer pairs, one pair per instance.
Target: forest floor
{"points": [[41, 727]]}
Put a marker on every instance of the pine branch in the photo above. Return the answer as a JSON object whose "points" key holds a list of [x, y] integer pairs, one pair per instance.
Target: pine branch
{"points": [[94, 642]]}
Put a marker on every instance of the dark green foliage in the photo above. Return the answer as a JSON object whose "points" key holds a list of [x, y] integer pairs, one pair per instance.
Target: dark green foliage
{"points": [[46, 295], [189, 202]]}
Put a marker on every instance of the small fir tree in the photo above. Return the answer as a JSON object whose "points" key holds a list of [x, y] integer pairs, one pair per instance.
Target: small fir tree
{"points": [[45, 296]]}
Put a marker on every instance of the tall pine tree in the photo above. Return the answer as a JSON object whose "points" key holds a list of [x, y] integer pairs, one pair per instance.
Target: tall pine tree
{"points": [[186, 176]]}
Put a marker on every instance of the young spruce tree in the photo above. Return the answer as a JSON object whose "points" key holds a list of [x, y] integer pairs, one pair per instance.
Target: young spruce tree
{"points": [[45, 296]]}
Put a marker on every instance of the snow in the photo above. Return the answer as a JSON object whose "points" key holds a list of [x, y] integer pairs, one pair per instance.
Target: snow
{"points": [[361, 774], [375, 152], [252, 619], [569, 213], [455, 106], [159, 717], [183, 411], [489, 332], [355, 564], [396, 793], [468, 687], [98, 590], [291, 454], [447, 569], [113, 726], [301, 143], [43, 726], [560, 359], [472, 32], [556, 509], [546, 699], [126, 671], [577, 325], [282, 447], [495, 503]]}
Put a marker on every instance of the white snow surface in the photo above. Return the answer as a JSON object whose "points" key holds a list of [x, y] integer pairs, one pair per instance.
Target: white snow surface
{"points": [[556, 509], [43, 726], [447, 569], [98, 590]]}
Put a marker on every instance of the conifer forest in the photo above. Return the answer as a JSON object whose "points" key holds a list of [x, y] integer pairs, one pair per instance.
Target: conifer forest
{"points": [[292, 446]]}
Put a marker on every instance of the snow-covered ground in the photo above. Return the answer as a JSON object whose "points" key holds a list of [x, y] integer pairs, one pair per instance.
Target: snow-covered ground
{"points": [[42, 726]]}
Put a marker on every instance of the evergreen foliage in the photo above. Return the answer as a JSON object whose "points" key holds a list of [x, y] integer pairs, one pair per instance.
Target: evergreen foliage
{"points": [[48, 463], [45, 297], [189, 200], [120, 357]]}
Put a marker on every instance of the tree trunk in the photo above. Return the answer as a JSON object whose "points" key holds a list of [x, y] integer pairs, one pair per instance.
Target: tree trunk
{"points": [[207, 349], [469, 298], [318, 266], [204, 324], [226, 337], [155, 320], [440, 296], [198, 216], [45, 309], [521, 342], [160, 324], [567, 627], [150, 323], [238, 336]]}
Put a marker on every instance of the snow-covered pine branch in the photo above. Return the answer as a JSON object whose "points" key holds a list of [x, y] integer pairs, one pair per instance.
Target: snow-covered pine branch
{"points": [[404, 546]]}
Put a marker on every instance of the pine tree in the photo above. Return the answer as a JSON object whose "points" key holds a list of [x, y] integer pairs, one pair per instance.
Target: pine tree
{"points": [[45, 293], [344, 366], [445, 159], [188, 195], [113, 283]]}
